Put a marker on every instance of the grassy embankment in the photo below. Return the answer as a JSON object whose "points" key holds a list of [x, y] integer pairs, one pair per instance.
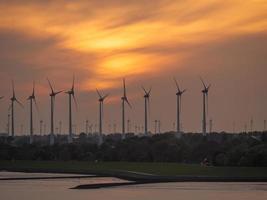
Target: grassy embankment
{"points": [[165, 169]]}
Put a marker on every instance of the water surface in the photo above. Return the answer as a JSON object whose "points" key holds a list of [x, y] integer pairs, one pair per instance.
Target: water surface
{"points": [[59, 189]]}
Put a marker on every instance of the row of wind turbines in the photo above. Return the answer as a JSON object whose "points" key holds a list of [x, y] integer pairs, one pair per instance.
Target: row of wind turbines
{"points": [[124, 101]]}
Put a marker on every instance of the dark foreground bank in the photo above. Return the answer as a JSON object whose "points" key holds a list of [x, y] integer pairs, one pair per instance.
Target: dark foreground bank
{"points": [[161, 179]]}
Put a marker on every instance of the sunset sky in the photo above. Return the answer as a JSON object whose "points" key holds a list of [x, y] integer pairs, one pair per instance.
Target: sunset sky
{"points": [[148, 43]]}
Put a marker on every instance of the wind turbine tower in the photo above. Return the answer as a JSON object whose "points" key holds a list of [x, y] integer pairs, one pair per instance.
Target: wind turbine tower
{"points": [[86, 126], [159, 126], [41, 127], [178, 106], [124, 99], [146, 97], [114, 127], [101, 113], [13, 100], [60, 127], [128, 125], [251, 125], [71, 94], [245, 127], [44, 128], [8, 123], [32, 99], [52, 104], [156, 124], [205, 92], [211, 124]]}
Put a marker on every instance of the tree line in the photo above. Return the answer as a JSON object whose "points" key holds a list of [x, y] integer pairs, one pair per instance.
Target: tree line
{"points": [[218, 149]]}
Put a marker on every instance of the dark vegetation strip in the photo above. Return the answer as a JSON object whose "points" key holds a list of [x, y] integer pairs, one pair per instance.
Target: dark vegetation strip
{"points": [[126, 170], [217, 149]]}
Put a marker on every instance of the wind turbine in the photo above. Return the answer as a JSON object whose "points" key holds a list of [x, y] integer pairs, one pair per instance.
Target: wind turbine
{"points": [[101, 113], [13, 99], [146, 96], [156, 124], [1, 97], [71, 94], [32, 99], [52, 100], [179, 108], [205, 92], [124, 99]]}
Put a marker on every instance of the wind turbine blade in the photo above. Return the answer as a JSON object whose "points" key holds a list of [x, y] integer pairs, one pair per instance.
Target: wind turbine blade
{"points": [[19, 103], [203, 82], [73, 79], [33, 88], [75, 101], [98, 93], [176, 84], [50, 85], [58, 92], [124, 88], [149, 90], [128, 102], [144, 89], [183, 91], [36, 105], [105, 96], [13, 88]]}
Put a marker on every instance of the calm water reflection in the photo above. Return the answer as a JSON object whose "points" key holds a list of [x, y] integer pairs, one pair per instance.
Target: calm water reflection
{"points": [[58, 189]]}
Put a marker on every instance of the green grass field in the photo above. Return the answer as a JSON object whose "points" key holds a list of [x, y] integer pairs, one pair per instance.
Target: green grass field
{"points": [[168, 169]]}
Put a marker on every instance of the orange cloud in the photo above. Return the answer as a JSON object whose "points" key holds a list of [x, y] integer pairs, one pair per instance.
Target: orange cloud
{"points": [[112, 31]]}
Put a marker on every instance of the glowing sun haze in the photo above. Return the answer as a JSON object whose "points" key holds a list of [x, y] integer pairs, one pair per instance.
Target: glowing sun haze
{"points": [[148, 42]]}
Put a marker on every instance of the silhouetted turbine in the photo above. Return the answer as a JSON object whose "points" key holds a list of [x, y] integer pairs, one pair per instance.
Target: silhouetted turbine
{"points": [[124, 99], [101, 113], [179, 108], [71, 94], [13, 99], [31, 99], [52, 100], [205, 92], [146, 96]]}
